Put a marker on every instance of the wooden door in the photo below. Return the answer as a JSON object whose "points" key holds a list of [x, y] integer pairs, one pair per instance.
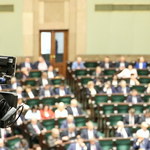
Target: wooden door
{"points": [[54, 48]]}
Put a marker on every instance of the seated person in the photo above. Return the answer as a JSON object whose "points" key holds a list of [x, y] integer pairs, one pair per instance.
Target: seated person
{"points": [[41, 64], [141, 64], [123, 88], [2, 145], [78, 64], [145, 117], [46, 91], [5, 132], [133, 80], [141, 143], [51, 72], [148, 89], [144, 130], [108, 88], [89, 132], [20, 102], [19, 92], [91, 90], [70, 133], [98, 81], [61, 112], [25, 73], [74, 109], [54, 139], [131, 118], [35, 128], [126, 73], [106, 63], [29, 92], [121, 131], [98, 72], [44, 79], [33, 113], [66, 123], [47, 113], [13, 84], [122, 64], [94, 145], [27, 64], [62, 90], [78, 144], [134, 97], [114, 81]]}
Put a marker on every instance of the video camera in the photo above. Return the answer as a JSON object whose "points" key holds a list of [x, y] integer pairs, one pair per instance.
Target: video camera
{"points": [[8, 100]]}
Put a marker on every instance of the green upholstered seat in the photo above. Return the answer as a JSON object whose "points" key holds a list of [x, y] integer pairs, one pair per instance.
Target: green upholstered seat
{"points": [[101, 98], [31, 82], [123, 144], [113, 119], [91, 64], [110, 71], [64, 99], [35, 74], [33, 101], [57, 81], [108, 109], [106, 144], [48, 123], [48, 101], [122, 108], [115, 98], [81, 72], [139, 88], [143, 72], [85, 80], [80, 121]]}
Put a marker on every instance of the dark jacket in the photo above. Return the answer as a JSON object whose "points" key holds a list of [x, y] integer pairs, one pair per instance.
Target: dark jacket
{"points": [[119, 89], [118, 134], [67, 91], [139, 99], [98, 146], [42, 92], [102, 64], [70, 111], [126, 119]]}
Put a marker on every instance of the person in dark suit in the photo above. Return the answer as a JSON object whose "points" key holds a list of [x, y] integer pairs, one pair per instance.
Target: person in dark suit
{"points": [[106, 63], [2, 145], [141, 64], [78, 145], [27, 64], [90, 132], [108, 88], [122, 64], [51, 72], [145, 117], [44, 79], [94, 145], [29, 92], [46, 91], [131, 118], [91, 90], [69, 134], [41, 64], [35, 128], [134, 97], [123, 88], [141, 143], [62, 90], [66, 123], [98, 72], [74, 109], [121, 131]]}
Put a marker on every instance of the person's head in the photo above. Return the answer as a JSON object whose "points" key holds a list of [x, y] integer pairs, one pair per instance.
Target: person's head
{"points": [[98, 69], [44, 75], [90, 125], [90, 84], [50, 68], [27, 59], [13, 80], [106, 59], [19, 90], [62, 86], [55, 133], [34, 109], [70, 119], [79, 59], [147, 113], [61, 106], [134, 92], [141, 59], [122, 59], [120, 124], [1, 142], [115, 77], [71, 128], [92, 141], [108, 84], [144, 126], [47, 87], [132, 111], [130, 67], [33, 121], [74, 103], [46, 108], [28, 88], [41, 59], [79, 140], [123, 83]]}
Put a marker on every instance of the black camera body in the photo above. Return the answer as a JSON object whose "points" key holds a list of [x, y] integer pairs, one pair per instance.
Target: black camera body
{"points": [[8, 100]]}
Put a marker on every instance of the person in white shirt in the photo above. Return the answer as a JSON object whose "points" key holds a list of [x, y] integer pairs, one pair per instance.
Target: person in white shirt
{"points": [[144, 130], [27, 64], [51, 72], [33, 113], [133, 80], [126, 73], [44, 79], [29, 92], [91, 89], [145, 117], [42, 65], [61, 112]]}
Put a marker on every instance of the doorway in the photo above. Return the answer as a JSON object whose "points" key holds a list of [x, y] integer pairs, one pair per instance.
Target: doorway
{"points": [[54, 48]]}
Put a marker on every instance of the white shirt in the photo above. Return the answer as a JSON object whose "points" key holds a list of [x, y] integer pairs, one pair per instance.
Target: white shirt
{"points": [[93, 91], [107, 90], [29, 115], [31, 94], [44, 82], [36, 128], [126, 73], [27, 65], [78, 147], [61, 114], [123, 132], [146, 133], [124, 90], [106, 65], [90, 134], [62, 92], [134, 99], [75, 111], [42, 66], [93, 147], [132, 82], [122, 64], [47, 93], [50, 75], [131, 120], [147, 120], [14, 85], [140, 65]]}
